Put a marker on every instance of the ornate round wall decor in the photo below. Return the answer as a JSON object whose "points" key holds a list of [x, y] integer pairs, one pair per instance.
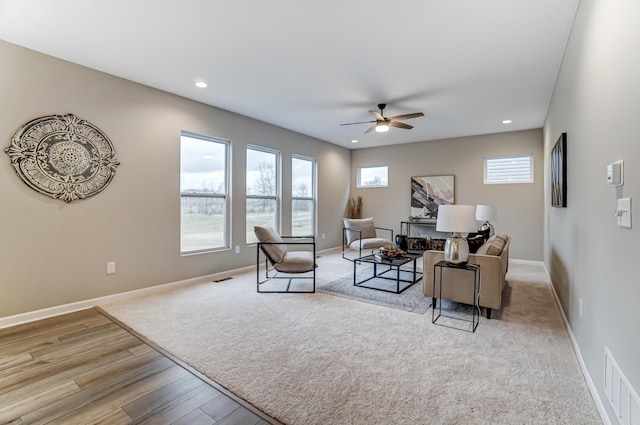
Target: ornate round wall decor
{"points": [[63, 156]]}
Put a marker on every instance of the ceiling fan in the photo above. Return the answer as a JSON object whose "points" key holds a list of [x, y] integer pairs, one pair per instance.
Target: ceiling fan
{"points": [[382, 123]]}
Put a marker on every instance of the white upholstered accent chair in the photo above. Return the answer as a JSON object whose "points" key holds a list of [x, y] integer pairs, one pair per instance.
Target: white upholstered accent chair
{"points": [[298, 265], [361, 234]]}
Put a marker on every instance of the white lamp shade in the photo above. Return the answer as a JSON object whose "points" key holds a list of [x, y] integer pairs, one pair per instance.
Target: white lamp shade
{"points": [[487, 213], [456, 218]]}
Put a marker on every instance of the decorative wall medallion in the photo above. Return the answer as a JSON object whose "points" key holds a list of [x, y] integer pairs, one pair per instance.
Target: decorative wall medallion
{"points": [[63, 156]]}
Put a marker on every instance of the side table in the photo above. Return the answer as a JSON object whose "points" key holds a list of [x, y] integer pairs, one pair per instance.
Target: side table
{"points": [[471, 268]]}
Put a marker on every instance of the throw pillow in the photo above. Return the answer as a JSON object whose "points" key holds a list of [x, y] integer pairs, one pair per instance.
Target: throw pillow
{"points": [[475, 243], [365, 225], [494, 245], [266, 233]]}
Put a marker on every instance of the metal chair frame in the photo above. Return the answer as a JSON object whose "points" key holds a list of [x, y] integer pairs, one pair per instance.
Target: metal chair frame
{"points": [[268, 269], [344, 241]]}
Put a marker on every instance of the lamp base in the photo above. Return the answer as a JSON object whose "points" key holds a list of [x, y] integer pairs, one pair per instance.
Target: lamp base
{"points": [[486, 225], [456, 250]]}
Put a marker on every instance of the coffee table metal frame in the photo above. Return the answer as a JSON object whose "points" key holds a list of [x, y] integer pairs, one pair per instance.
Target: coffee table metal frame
{"points": [[393, 264]]}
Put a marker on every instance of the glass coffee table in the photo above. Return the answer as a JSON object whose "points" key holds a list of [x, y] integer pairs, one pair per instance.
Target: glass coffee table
{"points": [[393, 270]]}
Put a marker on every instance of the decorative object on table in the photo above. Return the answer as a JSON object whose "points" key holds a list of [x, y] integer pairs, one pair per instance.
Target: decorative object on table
{"points": [[428, 193], [63, 156], [487, 213], [437, 244], [355, 207], [401, 242], [456, 219], [391, 251], [559, 172], [418, 244]]}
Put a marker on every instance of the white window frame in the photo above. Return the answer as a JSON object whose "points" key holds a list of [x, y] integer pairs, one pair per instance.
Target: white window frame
{"points": [[201, 194], [276, 197], [504, 159], [360, 185], [313, 197]]}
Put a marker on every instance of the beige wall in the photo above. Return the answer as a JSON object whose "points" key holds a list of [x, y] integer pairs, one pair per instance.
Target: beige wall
{"points": [[52, 253], [597, 102], [521, 205]]}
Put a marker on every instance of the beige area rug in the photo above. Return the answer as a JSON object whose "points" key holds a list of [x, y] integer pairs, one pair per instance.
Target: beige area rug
{"points": [[323, 359]]}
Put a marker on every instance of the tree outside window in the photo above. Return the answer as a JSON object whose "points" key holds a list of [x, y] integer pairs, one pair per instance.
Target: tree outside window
{"points": [[262, 176], [303, 198]]}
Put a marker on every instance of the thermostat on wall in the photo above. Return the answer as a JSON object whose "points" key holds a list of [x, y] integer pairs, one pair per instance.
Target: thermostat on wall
{"points": [[615, 174]]}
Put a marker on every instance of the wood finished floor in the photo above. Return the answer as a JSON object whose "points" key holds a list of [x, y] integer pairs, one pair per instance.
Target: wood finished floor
{"points": [[83, 368]]}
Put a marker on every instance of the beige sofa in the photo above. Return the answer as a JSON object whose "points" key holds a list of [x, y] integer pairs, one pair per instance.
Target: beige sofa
{"points": [[493, 258]]}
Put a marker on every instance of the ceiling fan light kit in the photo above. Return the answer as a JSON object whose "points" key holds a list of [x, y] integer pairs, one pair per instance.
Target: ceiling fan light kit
{"points": [[381, 123]]}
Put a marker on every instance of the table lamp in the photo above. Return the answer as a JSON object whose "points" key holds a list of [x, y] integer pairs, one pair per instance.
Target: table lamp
{"points": [[487, 213], [456, 219]]}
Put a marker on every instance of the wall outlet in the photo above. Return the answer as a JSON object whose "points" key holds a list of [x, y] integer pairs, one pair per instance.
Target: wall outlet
{"points": [[237, 249], [323, 236], [111, 267]]}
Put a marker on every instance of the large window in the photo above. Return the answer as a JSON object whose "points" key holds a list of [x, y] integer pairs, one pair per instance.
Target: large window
{"points": [[204, 189], [508, 169], [303, 196], [263, 177], [373, 176]]}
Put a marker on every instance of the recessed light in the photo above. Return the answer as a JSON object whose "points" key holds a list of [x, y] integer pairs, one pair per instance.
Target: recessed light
{"points": [[354, 141], [507, 122], [201, 84]]}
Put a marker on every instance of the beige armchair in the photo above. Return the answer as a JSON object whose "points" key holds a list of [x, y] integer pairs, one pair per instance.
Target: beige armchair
{"points": [[493, 259], [361, 234], [278, 259]]}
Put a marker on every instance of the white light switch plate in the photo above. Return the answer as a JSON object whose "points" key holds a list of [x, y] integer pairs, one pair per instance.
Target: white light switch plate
{"points": [[624, 212]]}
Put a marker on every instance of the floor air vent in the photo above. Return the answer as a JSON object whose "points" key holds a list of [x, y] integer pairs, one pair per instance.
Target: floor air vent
{"points": [[223, 279], [623, 399]]}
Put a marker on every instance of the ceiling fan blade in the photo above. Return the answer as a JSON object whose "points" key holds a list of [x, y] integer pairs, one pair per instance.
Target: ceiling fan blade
{"points": [[370, 129], [407, 116], [400, 125], [377, 115], [361, 122]]}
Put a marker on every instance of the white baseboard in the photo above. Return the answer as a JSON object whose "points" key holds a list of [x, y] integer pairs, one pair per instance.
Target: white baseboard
{"points": [[574, 343], [528, 262], [30, 316]]}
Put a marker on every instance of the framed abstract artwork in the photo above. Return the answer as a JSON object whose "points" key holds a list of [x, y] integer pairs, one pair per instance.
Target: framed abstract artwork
{"points": [[428, 193], [559, 172]]}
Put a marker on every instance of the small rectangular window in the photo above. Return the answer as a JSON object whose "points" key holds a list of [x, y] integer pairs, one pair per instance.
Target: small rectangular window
{"points": [[508, 169], [373, 176]]}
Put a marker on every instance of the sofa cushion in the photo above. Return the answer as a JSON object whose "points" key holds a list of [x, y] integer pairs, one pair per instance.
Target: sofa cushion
{"points": [[365, 225], [494, 245], [266, 233]]}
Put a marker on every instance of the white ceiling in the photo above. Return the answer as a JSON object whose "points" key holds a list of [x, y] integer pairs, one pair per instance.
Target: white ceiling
{"points": [[309, 66]]}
